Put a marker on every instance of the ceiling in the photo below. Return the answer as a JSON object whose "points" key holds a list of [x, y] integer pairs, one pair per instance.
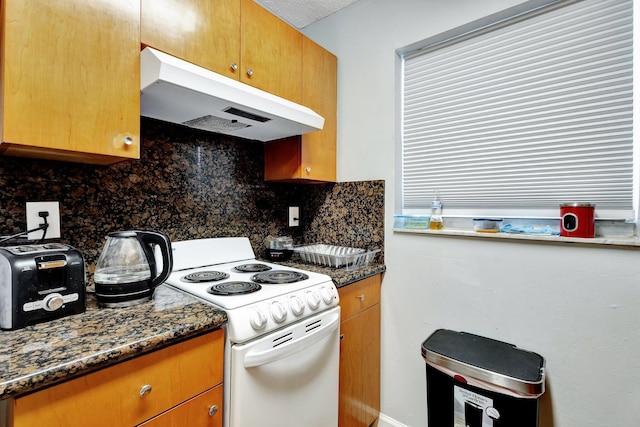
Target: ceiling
{"points": [[301, 13]]}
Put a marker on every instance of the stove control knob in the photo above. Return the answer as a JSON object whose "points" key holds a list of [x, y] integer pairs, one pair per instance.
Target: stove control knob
{"points": [[52, 302], [278, 312], [297, 305], [327, 295], [257, 319], [313, 300]]}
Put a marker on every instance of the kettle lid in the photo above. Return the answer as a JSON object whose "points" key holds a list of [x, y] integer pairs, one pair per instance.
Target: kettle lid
{"points": [[122, 234]]}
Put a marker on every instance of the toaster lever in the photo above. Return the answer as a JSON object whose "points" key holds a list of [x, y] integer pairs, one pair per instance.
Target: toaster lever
{"points": [[45, 265]]}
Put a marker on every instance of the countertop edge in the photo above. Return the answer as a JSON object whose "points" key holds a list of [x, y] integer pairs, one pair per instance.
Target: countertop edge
{"points": [[49, 353], [67, 371]]}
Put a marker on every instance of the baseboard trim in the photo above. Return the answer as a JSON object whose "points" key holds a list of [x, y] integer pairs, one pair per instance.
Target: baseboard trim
{"points": [[384, 421]]}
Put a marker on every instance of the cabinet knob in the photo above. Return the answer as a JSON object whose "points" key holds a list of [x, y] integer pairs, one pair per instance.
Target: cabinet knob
{"points": [[145, 390], [128, 140], [308, 169], [360, 297], [249, 72], [234, 66], [213, 410]]}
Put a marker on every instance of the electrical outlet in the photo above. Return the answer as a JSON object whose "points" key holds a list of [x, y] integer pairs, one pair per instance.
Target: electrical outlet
{"points": [[294, 216], [34, 220]]}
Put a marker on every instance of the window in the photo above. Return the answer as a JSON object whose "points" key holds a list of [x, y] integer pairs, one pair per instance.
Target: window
{"points": [[514, 117]]}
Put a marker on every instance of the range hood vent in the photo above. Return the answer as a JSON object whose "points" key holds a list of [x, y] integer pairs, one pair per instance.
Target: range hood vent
{"points": [[177, 91]]}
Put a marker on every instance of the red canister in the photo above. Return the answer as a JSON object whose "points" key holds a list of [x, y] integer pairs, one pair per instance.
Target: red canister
{"points": [[577, 220]]}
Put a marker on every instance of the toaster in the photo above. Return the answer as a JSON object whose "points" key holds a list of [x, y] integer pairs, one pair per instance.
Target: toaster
{"points": [[40, 282]]}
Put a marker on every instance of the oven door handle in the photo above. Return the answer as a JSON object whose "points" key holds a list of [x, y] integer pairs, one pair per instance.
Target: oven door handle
{"points": [[264, 357]]}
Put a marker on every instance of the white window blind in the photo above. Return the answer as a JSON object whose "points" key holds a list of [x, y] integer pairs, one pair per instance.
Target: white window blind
{"points": [[529, 115]]}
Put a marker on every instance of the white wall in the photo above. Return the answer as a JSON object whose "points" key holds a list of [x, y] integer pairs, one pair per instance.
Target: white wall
{"points": [[576, 306]]}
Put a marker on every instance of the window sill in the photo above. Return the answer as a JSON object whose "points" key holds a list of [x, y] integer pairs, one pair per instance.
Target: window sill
{"points": [[620, 242]]}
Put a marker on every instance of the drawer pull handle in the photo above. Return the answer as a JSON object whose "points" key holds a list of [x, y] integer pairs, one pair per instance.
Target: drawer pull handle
{"points": [[213, 410], [145, 390], [360, 297]]}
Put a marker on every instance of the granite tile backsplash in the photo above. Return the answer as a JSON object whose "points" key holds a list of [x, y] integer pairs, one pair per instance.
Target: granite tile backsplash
{"points": [[189, 184]]}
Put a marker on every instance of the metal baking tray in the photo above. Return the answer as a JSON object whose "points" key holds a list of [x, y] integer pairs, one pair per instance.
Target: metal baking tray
{"points": [[335, 256]]}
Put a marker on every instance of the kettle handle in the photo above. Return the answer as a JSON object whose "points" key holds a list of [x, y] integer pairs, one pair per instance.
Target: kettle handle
{"points": [[147, 238]]}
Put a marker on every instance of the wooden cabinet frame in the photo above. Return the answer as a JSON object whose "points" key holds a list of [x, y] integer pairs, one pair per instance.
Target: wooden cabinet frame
{"points": [[359, 396]]}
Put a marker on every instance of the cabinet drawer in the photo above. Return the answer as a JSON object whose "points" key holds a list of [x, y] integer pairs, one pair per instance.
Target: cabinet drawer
{"points": [[204, 410], [112, 396], [359, 296]]}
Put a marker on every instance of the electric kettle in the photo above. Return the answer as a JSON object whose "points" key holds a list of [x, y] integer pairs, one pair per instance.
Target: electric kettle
{"points": [[126, 271]]}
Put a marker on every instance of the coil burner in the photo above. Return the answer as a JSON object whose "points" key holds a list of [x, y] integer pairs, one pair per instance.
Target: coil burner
{"points": [[234, 288], [277, 277], [251, 268], [205, 276]]}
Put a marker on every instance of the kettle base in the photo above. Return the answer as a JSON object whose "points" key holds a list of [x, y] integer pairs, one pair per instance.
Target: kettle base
{"points": [[122, 304], [118, 295]]}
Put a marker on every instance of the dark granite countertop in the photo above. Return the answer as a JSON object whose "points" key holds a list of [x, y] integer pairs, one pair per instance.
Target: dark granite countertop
{"points": [[340, 276], [41, 355], [51, 352]]}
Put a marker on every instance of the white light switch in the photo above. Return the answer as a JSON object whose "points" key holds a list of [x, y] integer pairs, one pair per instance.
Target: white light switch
{"points": [[294, 216]]}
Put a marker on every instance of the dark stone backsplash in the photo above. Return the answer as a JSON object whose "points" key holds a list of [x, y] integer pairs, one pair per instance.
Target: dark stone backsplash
{"points": [[189, 184]]}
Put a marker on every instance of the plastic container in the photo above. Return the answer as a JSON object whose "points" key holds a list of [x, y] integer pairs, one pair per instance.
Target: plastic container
{"points": [[335, 256], [487, 225], [411, 222], [436, 222], [473, 381]]}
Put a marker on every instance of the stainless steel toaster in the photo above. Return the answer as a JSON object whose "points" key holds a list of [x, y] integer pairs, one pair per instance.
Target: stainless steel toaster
{"points": [[40, 282]]}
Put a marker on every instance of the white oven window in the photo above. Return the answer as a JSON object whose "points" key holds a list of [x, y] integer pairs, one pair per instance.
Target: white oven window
{"points": [[515, 115]]}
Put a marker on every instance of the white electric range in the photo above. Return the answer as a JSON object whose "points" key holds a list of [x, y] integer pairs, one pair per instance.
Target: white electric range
{"points": [[282, 335]]}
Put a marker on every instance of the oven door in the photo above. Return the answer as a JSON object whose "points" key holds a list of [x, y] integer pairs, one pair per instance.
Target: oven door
{"points": [[287, 378]]}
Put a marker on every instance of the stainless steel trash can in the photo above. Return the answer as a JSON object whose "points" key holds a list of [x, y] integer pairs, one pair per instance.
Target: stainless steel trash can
{"points": [[473, 381]]}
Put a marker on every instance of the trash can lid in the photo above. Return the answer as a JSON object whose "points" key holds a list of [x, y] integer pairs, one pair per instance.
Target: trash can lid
{"points": [[486, 359]]}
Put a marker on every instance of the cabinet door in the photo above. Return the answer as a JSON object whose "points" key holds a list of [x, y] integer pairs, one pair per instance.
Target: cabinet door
{"points": [[311, 157], [359, 296], [359, 399], [319, 92], [130, 392], [70, 79], [205, 33], [272, 50], [204, 410]]}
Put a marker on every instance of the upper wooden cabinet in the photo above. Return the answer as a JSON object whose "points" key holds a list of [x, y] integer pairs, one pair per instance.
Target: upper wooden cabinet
{"points": [[206, 33], [236, 38], [311, 157], [242, 40], [271, 53], [70, 80]]}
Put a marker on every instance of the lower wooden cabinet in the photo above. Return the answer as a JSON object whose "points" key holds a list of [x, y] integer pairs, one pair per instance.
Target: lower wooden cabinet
{"points": [[178, 378], [359, 397], [200, 411]]}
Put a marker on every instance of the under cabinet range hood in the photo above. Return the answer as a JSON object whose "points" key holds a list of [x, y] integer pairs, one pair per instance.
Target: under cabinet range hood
{"points": [[177, 91]]}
